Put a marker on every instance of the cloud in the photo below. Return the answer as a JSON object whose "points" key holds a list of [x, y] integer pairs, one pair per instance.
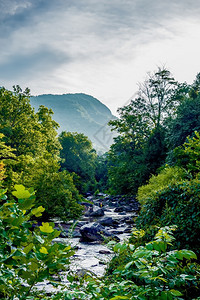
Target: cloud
{"points": [[88, 45], [21, 66]]}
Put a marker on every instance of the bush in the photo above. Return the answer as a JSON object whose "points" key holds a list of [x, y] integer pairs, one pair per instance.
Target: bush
{"points": [[169, 175], [188, 155], [27, 255], [55, 190], [153, 272], [177, 204]]}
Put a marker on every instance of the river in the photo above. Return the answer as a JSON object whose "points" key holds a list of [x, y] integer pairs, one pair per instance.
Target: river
{"points": [[94, 256]]}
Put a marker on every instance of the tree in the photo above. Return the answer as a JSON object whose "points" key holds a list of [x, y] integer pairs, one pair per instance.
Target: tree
{"points": [[156, 100], [102, 172], [55, 189], [6, 152], [125, 166], [186, 122], [141, 147], [33, 138], [26, 131], [79, 157], [195, 88], [186, 119]]}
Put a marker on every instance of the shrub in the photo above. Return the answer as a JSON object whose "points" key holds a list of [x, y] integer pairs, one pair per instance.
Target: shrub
{"points": [[169, 175], [177, 204], [153, 272], [188, 155], [27, 255]]}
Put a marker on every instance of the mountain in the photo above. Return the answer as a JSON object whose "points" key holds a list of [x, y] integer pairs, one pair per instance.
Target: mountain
{"points": [[80, 113]]}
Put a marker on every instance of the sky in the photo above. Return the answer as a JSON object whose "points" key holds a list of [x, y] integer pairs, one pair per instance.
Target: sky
{"points": [[103, 48]]}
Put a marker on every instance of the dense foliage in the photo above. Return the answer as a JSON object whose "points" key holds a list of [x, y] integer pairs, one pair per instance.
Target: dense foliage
{"points": [[176, 204], [175, 200], [187, 117], [27, 255], [161, 116], [101, 173], [79, 157], [140, 148], [150, 271], [147, 272], [30, 149], [167, 176]]}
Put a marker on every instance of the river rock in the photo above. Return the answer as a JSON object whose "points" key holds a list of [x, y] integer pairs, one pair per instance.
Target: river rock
{"points": [[119, 209], [97, 213], [108, 221], [93, 232], [129, 220], [105, 252], [76, 234]]}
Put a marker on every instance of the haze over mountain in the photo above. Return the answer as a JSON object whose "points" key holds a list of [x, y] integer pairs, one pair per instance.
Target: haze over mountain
{"points": [[80, 113]]}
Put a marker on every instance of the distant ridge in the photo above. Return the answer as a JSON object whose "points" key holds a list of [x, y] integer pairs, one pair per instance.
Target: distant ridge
{"points": [[80, 113]]}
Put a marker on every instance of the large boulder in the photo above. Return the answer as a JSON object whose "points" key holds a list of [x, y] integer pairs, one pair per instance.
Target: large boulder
{"points": [[93, 232], [95, 212], [108, 221]]}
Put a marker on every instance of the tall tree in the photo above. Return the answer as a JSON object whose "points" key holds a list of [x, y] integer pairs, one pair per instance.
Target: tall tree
{"points": [[80, 158], [101, 174], [26, 131], [186, 119], [33, 137], [141, 131], [155, 100]]}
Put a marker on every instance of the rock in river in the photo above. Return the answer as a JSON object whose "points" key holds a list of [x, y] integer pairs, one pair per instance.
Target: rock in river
{"points": [[93, 232], [108, 221]]}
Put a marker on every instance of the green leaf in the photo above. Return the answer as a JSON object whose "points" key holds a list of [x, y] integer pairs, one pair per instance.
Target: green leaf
{"points": [[164, 295], [156, 245], [132, 247], [128, 265], [21, 192], [39, 239], [38, 211], [188, 254], [149, 246], [26, 204], [119, 247], [163, 246], [46, 228], [18, 221], [28, 248], [34, 266], [119, 297], [175, 293], [179, 255], [141, 252]]}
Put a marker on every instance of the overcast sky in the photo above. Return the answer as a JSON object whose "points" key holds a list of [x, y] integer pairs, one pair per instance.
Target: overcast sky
{"points": [[98, 47]]}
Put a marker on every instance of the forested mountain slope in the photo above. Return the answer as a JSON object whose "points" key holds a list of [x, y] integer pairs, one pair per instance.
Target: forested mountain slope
{"points": [[80, 113]]}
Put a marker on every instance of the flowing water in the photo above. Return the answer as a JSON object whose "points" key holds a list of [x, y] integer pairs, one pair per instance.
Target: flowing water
{"points": [[89, 256]]}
